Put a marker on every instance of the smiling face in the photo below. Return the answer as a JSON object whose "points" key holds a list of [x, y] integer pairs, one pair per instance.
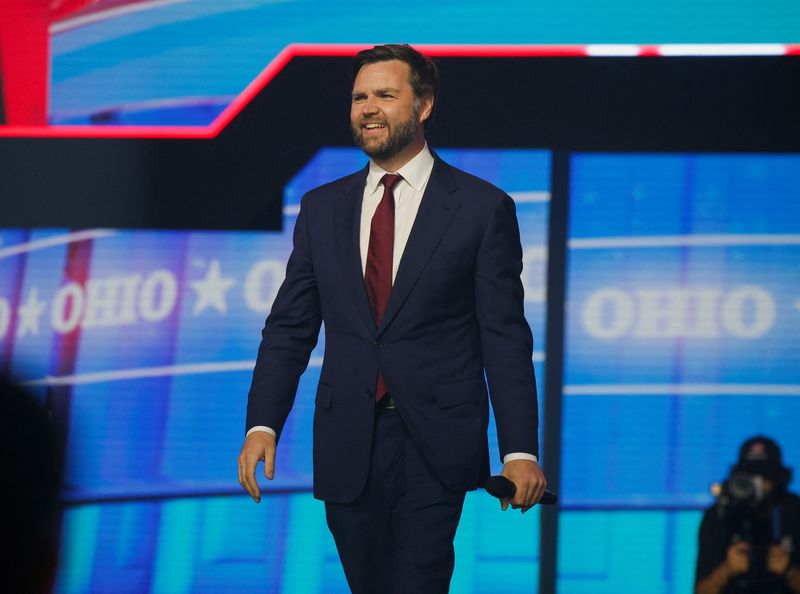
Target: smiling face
{"points": [[385, 116]]}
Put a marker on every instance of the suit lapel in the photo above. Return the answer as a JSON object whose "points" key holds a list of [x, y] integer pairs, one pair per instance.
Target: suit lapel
{"points": [[348, 233], [439, 205]]}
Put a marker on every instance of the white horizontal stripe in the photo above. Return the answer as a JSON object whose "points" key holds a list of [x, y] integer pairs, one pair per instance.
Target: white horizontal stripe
{"points": [[111, 13], [167, 371], [146, 372], [141, 372], [55, 240], [658, 241], [530, 196], [682, 390], [722, 49], [613, 50]]}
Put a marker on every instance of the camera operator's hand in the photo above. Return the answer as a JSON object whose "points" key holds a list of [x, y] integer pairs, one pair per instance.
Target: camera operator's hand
{"points": [[777, 559], [738, 558], [737, 561]]}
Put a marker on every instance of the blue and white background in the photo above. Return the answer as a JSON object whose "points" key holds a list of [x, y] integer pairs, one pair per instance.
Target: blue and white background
{"points": [[683, 303], [682, 314], [183, 61], [169, 324]]}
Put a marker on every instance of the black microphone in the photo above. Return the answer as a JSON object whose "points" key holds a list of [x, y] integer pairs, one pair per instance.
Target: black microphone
{"points": [[500, 486]]}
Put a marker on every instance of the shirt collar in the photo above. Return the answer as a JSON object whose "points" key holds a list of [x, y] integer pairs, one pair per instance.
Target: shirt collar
{"points": [[416, 172]]}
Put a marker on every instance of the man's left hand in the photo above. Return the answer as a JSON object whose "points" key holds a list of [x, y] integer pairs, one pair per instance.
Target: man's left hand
{"points": [[529, 479], [777, 559]]}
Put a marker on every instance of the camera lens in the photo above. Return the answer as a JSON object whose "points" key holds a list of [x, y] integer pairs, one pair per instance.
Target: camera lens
{"points": [[747, 488]]}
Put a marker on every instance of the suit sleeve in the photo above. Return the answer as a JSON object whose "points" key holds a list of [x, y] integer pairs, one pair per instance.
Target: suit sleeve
{"points": [[289, 335], [506, 340]]}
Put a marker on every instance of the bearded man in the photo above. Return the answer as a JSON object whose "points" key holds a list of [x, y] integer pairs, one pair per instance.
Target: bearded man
{"points": [[414, 266]]}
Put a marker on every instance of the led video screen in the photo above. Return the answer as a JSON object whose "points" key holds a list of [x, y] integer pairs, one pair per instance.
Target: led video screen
{"points": [[682, 317], [143, 343]]}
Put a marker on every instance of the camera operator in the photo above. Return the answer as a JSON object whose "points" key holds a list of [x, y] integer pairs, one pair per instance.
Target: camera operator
{"points": [[749, 539]]}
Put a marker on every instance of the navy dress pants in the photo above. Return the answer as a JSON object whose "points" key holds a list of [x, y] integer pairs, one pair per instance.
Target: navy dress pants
{"points": [[397, 537]]}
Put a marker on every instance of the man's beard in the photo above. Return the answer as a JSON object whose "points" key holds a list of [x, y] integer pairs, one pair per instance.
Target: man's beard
{"points": [[400, 136]]}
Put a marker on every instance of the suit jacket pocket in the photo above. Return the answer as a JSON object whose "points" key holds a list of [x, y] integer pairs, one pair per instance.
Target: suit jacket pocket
{"points": [[448, 395], [324, 397]]}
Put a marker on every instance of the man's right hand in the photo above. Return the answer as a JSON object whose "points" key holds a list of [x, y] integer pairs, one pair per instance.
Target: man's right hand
{"points": [[737, 559], [259, 445]]}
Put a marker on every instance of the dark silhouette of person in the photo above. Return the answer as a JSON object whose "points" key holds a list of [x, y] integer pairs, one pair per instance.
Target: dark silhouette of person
{"points": [[30, 508]]}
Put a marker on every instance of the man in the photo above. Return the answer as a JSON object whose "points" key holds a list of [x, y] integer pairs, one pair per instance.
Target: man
{"points": [[415, 268], [749, 538]]}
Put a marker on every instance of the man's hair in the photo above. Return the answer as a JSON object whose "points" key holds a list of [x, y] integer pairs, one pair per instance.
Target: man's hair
{"points": [[762, 455], [424, 73]]}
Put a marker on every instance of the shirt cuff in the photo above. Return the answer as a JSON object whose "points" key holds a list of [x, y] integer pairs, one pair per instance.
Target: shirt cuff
{"points": [[514, 456], [262, 429]]}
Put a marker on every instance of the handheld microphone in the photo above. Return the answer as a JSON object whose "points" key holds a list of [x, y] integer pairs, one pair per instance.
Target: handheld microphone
{"points": [[501, 487]]}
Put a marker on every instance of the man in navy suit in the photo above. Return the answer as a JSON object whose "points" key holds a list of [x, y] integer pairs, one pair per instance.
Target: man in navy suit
{"points": [[414, 266]]}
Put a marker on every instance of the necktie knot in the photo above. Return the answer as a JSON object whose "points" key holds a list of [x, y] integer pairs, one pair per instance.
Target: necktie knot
{"points": [[390, 180]]}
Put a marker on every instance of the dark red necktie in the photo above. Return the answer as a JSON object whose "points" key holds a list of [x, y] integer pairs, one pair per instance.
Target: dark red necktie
{"points": [[378, 272]]}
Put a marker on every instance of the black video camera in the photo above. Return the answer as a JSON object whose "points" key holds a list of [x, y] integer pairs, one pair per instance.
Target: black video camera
{"points": [[742, 503], [739, 501]]}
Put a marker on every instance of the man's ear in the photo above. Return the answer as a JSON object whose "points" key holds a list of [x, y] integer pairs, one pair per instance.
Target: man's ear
{"points": [[426, 108]]}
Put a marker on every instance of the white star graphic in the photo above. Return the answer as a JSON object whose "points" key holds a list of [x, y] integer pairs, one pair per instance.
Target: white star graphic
{"points": [[29, 314], [211, 290]]}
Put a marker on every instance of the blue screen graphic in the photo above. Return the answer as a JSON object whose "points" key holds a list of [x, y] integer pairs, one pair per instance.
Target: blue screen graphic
{"points": [[183, 62], [683, 303], [682, 317], [145, 341]]}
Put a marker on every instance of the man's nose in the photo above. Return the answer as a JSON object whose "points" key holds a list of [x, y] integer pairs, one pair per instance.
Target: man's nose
{"points": [[370, 107]]}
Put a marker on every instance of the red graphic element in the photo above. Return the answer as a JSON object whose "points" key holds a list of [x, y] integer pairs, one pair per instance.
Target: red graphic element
{"points": [[62, 9], [280, 61], [25, 55], [24, 60], [64, 354]]}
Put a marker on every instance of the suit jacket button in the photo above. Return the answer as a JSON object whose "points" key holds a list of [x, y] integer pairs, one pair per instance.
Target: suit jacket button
{"points": [[377, 345]]}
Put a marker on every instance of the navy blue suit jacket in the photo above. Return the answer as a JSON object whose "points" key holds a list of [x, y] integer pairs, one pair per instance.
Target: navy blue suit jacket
{"points": [[454, 320]]}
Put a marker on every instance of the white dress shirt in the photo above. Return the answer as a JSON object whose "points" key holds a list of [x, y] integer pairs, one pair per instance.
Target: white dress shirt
{"points": [[408, 194]]}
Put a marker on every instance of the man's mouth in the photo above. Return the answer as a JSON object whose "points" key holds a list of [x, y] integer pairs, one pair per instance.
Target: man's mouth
{"points": [[373, 126]]}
